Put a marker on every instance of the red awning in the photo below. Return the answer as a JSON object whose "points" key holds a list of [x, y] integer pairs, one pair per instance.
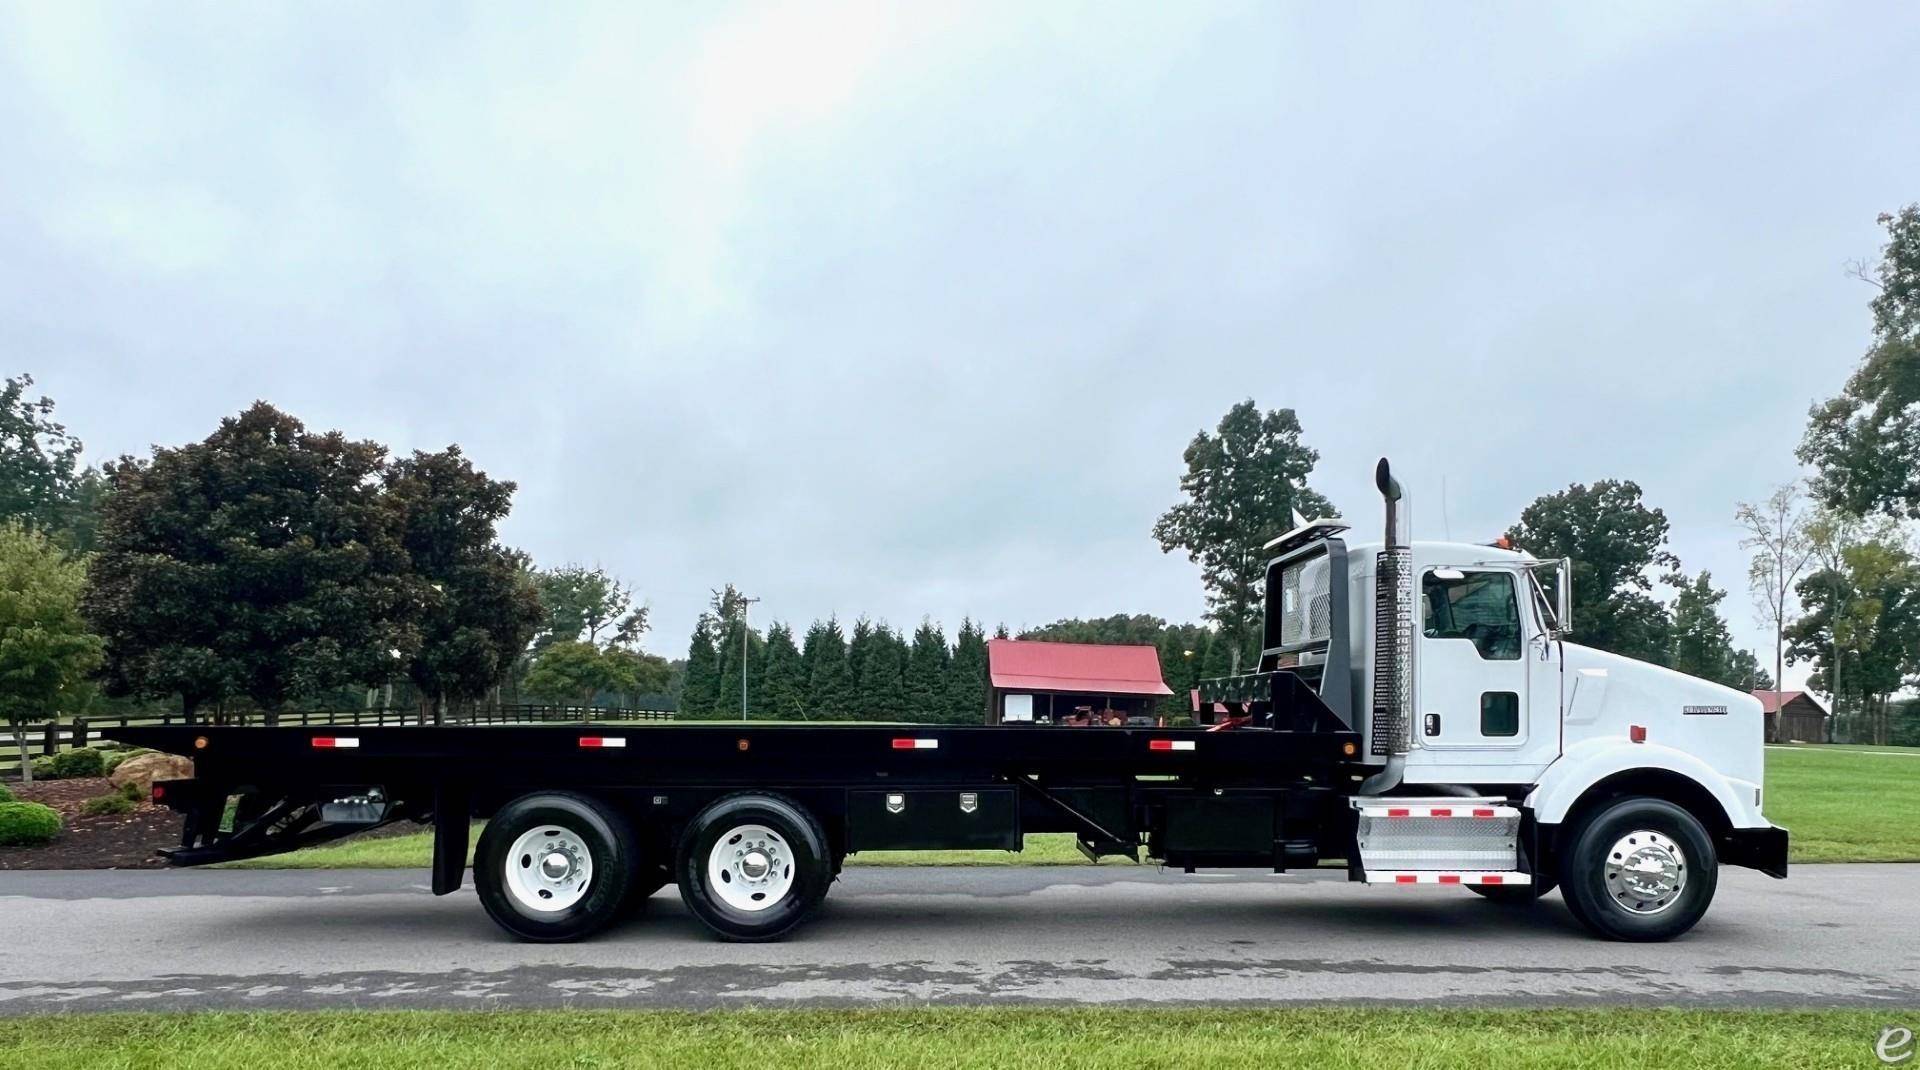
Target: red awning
{"points": [[1080, 667]]}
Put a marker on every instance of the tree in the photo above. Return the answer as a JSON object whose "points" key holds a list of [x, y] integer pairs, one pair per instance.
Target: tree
{"points": [[1865, 443], [859, 649], [925, 679], [42, 483], [830, 690], [582, 602], [575, 672], [1242, 486], [1777, 535], [476, 609], [967, 676], [46, 650], [783, 693], [1862, 631], [881, 684], [729, 612], [1615, 541], [1701, 645], [700, 687], [261, 562]]}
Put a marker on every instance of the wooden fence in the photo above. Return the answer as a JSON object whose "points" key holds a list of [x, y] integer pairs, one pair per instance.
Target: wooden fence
{"points": [[53, 736]]}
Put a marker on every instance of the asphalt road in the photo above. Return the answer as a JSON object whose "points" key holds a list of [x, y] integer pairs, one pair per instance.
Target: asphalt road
{"points": [[1831, 936]]}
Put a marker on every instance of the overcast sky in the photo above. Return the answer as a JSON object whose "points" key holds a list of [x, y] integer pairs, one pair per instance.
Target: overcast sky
{"points": [[907, 309]]}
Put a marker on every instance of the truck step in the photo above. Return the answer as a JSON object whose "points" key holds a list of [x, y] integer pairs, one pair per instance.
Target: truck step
{"points": [[1450, 836], [1435, 877]]}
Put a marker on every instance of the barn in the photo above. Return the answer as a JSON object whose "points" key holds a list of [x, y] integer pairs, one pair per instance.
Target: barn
{"points": [[1793, 717], [1072, 683]]}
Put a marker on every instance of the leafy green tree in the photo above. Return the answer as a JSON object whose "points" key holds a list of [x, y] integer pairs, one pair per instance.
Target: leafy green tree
{"points": [[1701, 645], [46, 650], [1861, 629], [476, 611], [967, 677], [262, 562], [589, 605], [42, 483], [574, 672], [1242, 486], [830, 690], [1615, 540], [637, 672], [783, 692], [925, 679], [1865, 443], [1138, 629]]}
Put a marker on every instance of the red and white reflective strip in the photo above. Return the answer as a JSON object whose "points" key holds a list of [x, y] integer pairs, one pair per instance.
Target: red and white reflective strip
{"points": [[336, 742], [1169, 744], [1470, 812], [596, 742], [1436, 877], [916, 744]]}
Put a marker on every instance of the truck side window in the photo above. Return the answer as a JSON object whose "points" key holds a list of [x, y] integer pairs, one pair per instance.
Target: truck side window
{"points": [[1478, 606]]}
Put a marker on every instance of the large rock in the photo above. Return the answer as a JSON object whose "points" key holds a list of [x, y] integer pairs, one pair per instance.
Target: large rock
{"points": [[144, 769]]}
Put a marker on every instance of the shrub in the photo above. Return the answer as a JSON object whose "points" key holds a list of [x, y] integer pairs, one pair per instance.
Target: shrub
{"points": [[79, 762], [131, 790], [5, 795], [1181, 722], [114, 759], [25, 824], [115, 803]]}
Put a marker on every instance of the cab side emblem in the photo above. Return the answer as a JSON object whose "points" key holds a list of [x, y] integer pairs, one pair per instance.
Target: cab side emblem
{"points": [[896, 803], [969, 802]]}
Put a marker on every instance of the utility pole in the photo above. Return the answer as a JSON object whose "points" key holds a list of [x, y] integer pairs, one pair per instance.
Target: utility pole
{"points": [[744, 603]]}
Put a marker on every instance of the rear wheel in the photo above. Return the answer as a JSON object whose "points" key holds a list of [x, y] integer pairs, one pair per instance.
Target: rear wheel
{"points": [[753, 866], [1640, 869], [553, 867]]}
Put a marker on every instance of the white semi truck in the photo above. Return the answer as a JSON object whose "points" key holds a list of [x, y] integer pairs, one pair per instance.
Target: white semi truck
{"points": [[1417, 716]]}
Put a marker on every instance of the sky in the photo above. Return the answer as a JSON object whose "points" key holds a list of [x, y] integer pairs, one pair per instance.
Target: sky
{"points": [[909, 310]]}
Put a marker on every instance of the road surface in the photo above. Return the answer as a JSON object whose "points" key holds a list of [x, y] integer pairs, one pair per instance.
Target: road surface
{"points": [[1831, 936]]}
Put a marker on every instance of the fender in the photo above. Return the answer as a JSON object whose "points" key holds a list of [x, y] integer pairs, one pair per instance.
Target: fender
{"points": [[1589, 762]]}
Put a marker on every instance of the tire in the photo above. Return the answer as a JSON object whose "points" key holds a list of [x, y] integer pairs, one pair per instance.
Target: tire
{"points": [[1515, 893], [584, 889], [1639, 869], [753, 866]]}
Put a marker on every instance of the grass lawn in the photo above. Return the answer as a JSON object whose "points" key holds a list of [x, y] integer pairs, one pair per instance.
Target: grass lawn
{"points": [[1324, 1038], [1846, 804], [1842, 804]]}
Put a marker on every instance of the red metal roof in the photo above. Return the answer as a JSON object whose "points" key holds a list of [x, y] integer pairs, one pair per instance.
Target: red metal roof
{"points": [[1771, 701], [1082, 667]]}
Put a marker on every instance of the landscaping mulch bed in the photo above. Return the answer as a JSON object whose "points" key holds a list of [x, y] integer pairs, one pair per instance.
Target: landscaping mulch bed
{"points": [[109, 841]]}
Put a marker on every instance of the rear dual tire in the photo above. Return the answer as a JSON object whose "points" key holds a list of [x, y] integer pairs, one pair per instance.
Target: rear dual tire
{"points": [[753, 866], [555, 866]]}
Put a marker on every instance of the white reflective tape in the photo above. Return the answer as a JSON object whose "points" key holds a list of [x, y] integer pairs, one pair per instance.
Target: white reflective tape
{"points": [[603, 741], [335, 742]]}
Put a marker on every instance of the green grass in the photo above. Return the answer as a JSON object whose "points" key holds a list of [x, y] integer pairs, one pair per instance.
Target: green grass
{"points": [[1323, 1038], [1844, 805], [1840, 804]]}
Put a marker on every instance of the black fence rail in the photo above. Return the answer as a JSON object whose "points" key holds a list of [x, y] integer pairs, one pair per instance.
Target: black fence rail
{"points": [[51, 737]]}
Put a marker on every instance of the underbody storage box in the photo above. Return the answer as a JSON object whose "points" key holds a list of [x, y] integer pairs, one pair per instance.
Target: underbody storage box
{"points": [[933, 819]]}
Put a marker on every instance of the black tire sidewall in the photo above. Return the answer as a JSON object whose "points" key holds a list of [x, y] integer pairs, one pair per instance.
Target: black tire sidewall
{"points": [[609, 843], [812, 866], [1583, 870]]}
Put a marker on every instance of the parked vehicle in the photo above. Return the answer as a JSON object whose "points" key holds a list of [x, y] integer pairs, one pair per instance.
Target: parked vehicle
{"points": [[1416, 713]]}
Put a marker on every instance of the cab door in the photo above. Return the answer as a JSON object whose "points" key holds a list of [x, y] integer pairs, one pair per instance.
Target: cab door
{"points": [[1475, 676]]}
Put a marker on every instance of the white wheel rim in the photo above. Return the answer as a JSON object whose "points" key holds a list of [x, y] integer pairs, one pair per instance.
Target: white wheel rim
{"points": [[750, 868], [549, 869], [1645, 872]]}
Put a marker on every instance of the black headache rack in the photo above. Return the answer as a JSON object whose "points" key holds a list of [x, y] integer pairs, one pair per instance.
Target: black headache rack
{"points": [[259, 791], [1304, 681]]}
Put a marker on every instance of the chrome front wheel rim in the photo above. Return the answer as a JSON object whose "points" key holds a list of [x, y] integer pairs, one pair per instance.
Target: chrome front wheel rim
{"points": [[549, 869], [750, 868], [1645, 872]]}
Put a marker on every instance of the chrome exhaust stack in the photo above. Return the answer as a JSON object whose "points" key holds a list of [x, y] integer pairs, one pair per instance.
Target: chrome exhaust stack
{"points": [[1390, 724]]}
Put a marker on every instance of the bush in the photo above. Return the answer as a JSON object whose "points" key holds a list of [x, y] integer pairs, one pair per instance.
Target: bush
{"points": [[131, 790], [1181, 722], [80, 762], [114, 759], [25, 824], [115, 803], [5, 795]]}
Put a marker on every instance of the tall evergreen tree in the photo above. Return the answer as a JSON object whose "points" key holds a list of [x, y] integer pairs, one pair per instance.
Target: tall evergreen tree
{"points": [[859, 649], [926, 676], [829, 684], [967, 677], [700, 686], [882, 684], [727, 703], [783, 685]]}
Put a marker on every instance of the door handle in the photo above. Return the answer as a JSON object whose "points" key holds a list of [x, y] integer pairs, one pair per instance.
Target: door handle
{"points": [[1432, 724]]}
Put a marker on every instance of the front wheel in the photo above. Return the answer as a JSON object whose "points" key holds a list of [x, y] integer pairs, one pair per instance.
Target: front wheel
{"points": [[1641, 869], [553, 867], [753, 866]]}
